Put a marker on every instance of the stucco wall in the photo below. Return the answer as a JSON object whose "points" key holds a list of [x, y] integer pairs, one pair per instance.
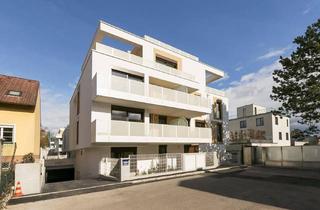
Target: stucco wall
{"points": [[26, 122]]}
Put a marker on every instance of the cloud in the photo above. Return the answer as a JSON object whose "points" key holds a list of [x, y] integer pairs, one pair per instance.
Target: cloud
{"points": [[254, 87], [74, 83], [54, 109], [274, 53], [306, 11], [226, 76], [239, 68]]}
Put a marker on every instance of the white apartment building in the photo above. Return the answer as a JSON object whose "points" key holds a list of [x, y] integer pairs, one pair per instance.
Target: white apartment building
{"points": [[258, 127], [59, 140], [151, 98]]}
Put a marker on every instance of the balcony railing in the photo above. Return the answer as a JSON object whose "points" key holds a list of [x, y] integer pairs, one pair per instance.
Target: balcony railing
{"points": [[139, 60], [215, 91], [127, 85], [136, 87], [177, 96], [125, 128]]}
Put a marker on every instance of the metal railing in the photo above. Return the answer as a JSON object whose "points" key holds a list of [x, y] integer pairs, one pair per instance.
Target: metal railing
{"points": [[145, 164], [139, 60]]}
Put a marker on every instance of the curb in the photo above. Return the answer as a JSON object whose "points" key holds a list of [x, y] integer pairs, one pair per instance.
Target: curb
{"points": [[79, 191]]}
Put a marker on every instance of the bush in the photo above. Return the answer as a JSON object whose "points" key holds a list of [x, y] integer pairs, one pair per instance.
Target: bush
{"points": [[28, 158]]}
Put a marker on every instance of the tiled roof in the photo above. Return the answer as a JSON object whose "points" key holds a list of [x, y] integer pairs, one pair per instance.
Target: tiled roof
{"points": [[28, 88]]}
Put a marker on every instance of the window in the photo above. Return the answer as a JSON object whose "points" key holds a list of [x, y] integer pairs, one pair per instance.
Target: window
{"points": [[260, 121], [78, 101], [77, 134], [162, 149], [7, 133], [200, 124], [277, 121], [244, 110], [188, 148], [162, 119], [218, 110], [287, 123], [280, 136], [287, 136], [243, 124], [167, 62], [126, 75], [255, 110], [14, 93], [127, 114]]}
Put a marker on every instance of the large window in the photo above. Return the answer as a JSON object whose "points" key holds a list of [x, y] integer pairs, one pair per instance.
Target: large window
{"points": [[217, 110], [162, 149], [127, 114], [167, 62], [243, 124], [260, 121], [126, 75], [7, 133]]}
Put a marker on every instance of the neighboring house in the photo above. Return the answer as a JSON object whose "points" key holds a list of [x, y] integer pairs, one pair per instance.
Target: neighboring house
{"points": [[256, 126], [59, 140], [151, 98], [19, 117]]}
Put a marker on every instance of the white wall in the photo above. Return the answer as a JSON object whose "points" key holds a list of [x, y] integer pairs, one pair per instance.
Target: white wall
{"points": [[29, 176]]}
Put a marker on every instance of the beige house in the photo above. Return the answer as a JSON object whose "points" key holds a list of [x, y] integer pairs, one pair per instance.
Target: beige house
{"points": [[258, 127], [19, 117]]}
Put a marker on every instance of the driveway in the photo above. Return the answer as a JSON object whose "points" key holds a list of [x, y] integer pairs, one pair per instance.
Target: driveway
{"points": [[252, 188]]}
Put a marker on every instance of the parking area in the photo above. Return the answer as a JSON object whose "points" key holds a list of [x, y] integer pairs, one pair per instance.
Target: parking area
{"points": [[251, 188]]}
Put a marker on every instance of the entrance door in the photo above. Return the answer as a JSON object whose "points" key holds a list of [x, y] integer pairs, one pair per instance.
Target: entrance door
{"points": [[123, 152]]}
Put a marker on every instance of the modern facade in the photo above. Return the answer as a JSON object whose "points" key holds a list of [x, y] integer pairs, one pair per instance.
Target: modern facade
{"points": [[258, 127], [19, 118], [149, 98]]}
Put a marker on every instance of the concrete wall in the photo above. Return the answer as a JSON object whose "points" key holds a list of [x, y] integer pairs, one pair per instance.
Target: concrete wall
{"points": [[301, 156], [30, 176]]}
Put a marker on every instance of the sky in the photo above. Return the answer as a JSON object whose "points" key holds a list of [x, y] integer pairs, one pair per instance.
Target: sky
{"points": [[48, 40]]}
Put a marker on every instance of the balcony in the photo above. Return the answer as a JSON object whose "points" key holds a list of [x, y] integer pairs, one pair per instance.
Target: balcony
{"points": [[122, 91], [214, 91], [139, 60], [137, 88], [138, 132]]}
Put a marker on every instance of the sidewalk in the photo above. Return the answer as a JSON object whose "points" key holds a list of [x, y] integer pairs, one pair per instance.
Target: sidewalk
{"points": [[77, 187]]}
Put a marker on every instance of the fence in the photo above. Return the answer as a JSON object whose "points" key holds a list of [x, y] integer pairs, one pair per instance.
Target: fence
{"points": [[299, 156], [138, 166]]}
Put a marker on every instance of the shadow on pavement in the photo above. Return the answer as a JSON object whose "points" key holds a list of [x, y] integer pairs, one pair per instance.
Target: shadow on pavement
{"points": [[275, 190]]}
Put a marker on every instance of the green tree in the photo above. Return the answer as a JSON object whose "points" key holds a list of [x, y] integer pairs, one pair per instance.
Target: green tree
{"points": [[44, 138], [298, 82]]}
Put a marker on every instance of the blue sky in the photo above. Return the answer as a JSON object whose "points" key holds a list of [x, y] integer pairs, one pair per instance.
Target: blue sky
{"points": [[48, 40]]}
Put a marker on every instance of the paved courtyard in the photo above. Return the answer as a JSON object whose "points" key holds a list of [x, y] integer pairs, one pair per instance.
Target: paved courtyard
{"points": [[252, 188]]}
